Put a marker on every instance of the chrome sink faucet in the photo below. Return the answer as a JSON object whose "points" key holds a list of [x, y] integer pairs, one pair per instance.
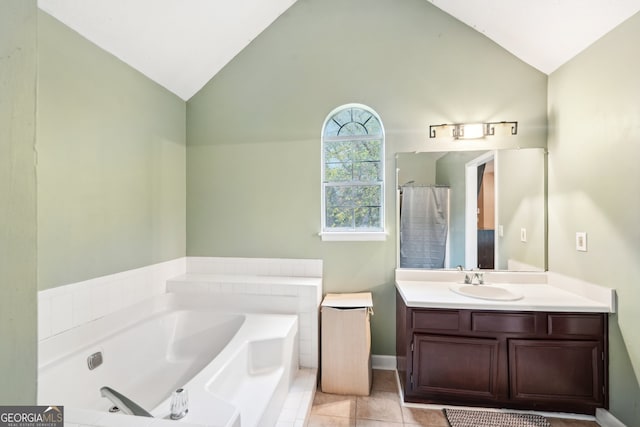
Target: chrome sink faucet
{"points": [[476, 278]]}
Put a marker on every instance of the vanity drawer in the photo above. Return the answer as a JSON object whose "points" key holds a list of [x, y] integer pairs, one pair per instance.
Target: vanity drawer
{"points": [[512, 323], [436, 320], [575, 324]]}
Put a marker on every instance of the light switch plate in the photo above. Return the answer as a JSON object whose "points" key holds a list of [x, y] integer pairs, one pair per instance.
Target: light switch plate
{"points": [[523, 235], [581, 241]]}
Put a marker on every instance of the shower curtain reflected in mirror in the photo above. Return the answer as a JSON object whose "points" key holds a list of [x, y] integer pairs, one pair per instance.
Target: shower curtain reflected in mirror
{"points": [[424, 226]]}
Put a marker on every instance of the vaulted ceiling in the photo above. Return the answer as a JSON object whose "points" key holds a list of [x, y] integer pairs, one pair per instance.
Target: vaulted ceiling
{"points": [[182, 44]]}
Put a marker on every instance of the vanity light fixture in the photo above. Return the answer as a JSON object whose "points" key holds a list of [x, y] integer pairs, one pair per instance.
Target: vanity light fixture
{"points": [[472, 130]]}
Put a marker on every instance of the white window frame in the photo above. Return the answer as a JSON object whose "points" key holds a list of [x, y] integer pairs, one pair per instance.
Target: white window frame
{"points": [[352, 235]]}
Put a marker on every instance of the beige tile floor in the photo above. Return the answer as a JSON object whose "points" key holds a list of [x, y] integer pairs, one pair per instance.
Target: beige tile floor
{"points": [[382, 408]]}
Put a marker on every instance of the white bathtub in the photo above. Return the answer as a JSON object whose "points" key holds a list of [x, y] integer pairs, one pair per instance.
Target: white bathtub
{"points": [[236, 368]]}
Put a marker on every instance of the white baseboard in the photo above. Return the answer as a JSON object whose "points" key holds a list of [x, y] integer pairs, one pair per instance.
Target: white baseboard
{"points": [[605, 419], [383, 362]]}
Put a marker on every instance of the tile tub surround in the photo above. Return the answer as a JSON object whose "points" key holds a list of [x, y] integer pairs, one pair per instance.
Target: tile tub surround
{"points": [[287, 286], [255, 266], [264, 285], [72, 305], [264, 294]]}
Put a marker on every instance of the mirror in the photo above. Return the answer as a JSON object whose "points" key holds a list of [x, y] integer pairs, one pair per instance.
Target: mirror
{"points": [[478, 209]]}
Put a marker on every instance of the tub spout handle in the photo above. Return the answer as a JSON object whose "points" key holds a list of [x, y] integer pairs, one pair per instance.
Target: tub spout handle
{"points": [[125, 404]]}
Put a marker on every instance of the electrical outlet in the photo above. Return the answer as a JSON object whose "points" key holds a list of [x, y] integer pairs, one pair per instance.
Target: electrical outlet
{"points": [[581, 241], [500, 231], [523, 235]]}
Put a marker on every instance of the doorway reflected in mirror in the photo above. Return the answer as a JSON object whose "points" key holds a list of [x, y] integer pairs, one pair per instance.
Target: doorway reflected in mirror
{"points": [[492, 196]]}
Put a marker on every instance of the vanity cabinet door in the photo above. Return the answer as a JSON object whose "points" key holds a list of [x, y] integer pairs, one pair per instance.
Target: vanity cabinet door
{"points": [[548, 361], [569, 372], [456, 366]]}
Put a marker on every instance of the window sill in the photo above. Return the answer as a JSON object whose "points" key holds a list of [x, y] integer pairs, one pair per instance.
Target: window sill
{"points": [[361, 236]]}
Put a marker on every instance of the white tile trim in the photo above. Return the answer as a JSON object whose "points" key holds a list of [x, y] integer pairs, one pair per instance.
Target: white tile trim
{"points": [[297, 406], [285, 267]]}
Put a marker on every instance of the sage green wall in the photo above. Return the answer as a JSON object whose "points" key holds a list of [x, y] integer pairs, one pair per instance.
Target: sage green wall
{"points": [[521, 204], [594, 186], [18, 285], [450, 171], [111, 163], [417, 167], [253, 132]]}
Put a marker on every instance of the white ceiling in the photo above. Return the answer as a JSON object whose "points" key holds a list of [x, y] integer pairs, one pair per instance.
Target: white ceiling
{"points": [[182, 44], [543, 33], [179, 44]]}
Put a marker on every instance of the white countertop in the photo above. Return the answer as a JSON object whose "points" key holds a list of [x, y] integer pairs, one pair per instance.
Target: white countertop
{"points": [[536, 297]]}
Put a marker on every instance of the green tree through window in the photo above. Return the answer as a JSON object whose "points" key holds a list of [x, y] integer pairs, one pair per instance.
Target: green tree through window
{"points": [[353, 170]]}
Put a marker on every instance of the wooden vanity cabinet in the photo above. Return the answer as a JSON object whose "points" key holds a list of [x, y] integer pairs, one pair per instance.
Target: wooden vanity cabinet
{"points": [[521, 360]]}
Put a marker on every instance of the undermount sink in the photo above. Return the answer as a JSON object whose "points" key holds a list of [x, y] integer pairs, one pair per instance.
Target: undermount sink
{"points": [[486, 292]]}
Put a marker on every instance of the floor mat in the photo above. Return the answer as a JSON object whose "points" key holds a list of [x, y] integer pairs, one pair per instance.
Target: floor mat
{"points": [[471, 418]]}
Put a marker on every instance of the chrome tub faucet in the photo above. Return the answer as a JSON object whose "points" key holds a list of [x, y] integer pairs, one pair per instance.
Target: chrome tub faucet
{"points": [[123, 403]]}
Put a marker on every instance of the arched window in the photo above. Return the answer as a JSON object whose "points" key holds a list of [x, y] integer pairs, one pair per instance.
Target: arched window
{"points": [[352, 174]]}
